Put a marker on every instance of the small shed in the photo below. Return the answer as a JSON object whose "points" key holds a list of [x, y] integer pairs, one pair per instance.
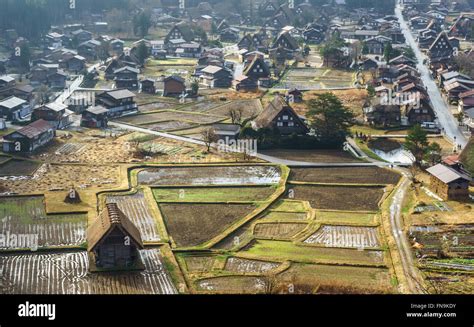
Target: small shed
{"points": [[113, 241], [449, 183]]}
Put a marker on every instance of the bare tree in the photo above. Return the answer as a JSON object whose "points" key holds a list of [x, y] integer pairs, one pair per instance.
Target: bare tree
{"points": [[236, 115], [209, 136]]}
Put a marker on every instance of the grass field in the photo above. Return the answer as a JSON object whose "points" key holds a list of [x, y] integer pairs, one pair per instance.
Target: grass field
{"points": [[280, 251], [356, 175], [193, 224], [341, 217], [199, 263], [171, 116], [339, 198], [275, 216], [289, 206], [213, 194], [340, 278]]}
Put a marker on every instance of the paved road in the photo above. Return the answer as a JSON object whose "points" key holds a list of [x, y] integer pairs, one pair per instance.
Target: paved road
{"points": [[62, 98], [445, 117]]}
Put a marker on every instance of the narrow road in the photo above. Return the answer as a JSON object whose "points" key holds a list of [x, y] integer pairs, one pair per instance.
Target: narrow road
{"points": [[261, 156], [411, 272], [441, 108]]}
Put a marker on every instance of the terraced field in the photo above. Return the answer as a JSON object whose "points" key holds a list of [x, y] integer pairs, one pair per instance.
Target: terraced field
{"points": [[136, 208], [356, 175], [278, 230], [171, 116], [67, 273], [27, 216], [345, 236], [213, 194], [228, 175], [240, 265], [233, 285], [193, 224]]}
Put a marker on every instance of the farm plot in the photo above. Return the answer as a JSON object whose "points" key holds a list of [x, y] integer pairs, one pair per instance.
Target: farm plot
{"points": [[346, 217], [170, 126], [213, 194], [69, 148], [339, 197], [136, 208], [233, 285], [249, 108], [15, 167], [194, 224], [345, 237], [228, 175], [199, 263], [317, 156], [289, 206], [280, 251], [339, 279], [157, 105], [171, 115], [356, 175], [199, 106], [278, 230], [317, 79], [26, 217], [285, 216], [68, 273], [240, 265]]}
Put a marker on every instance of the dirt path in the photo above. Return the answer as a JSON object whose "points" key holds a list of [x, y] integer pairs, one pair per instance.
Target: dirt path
{"points": [[411, 272]]}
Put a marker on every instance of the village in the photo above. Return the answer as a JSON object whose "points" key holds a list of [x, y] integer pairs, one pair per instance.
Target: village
{"points": [[237, 147]]}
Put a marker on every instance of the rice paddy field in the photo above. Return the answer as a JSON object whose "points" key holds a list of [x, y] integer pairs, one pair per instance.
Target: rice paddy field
{"points": [[232, 285], [278, 230], [213, 194], [339, 197], [218, 175], [136, 208], [240, 265], [151, 118], [352, 175], [280, 251], [68, 273], [345, 237], [317, 79], [15, 167], [193, 224], [27, 216]]}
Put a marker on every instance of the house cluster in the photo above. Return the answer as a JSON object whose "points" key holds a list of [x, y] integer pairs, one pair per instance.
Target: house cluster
{"points": [[400, 97], [440, 40]]}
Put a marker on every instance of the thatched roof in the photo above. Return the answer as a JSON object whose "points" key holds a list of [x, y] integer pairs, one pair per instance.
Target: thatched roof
{"points": [[109, 219], [272, 110]]}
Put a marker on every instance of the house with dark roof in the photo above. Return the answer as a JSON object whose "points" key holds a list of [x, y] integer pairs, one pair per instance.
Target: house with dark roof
{"points": [[173, 86], [94, 117], [441, 50], [113, 241], [257, 69], [57, 114], [180, 31], [287, 42], [29, 138], [126, 78], [279, 115], [449, 183], [147, 85], [117, 102]]}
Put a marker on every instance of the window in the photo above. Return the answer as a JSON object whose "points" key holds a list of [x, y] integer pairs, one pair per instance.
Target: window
{"points": [[279, 124], [291, 124], [285, 117]]}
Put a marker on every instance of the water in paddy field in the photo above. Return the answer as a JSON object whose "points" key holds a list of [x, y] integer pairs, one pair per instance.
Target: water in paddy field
{"points": [[399, 155]]}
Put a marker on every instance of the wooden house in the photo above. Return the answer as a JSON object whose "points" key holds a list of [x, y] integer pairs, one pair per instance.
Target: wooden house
{"points": [[14, 109], [216, 77], [126, 78], [94, 117], [257, 69], [29, 138], [245, 83], [449, 183], [279, 115], [117, 102], [180, 31], [113, 241], [441, 50], [57, 114], [148, 86], [173, 86]]}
